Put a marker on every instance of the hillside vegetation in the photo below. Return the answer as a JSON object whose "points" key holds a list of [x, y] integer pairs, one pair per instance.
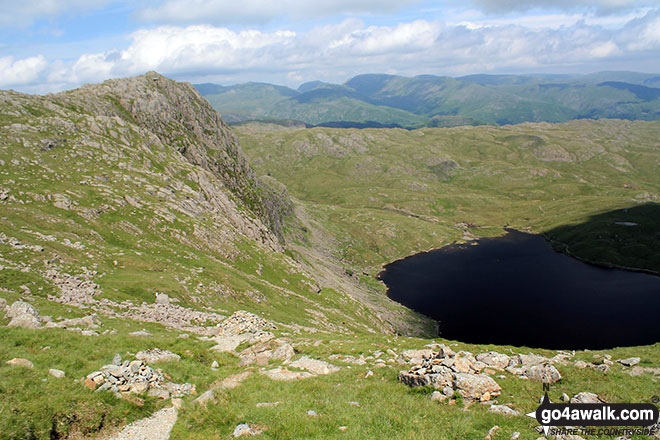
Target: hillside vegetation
{"points": [[434, 101]]}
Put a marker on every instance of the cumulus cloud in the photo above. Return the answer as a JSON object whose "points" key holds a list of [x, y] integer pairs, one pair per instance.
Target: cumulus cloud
{"points": [[24, 12], [334, 52], [21, 72], [262, 11]]}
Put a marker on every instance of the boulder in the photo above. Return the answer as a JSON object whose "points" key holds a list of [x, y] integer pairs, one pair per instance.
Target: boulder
{"points": [[527, 360], [314, 366], [20, 362], [205, 398], [495, 360], [3, 304], [283, 353], [228, 343], [22, 308], [245, 430], [25, 320], [140, 333], [162, 298], [417, 356], [543, 373], [503, 410], [59, 374], [586, 397], [476, 386], [285, 375], [629, 362]]}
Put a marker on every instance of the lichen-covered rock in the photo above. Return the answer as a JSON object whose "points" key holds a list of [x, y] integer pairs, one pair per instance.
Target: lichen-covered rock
{"points": [[543, 373], [25, 321], [495, 360], [19, 308], [476, 386]]}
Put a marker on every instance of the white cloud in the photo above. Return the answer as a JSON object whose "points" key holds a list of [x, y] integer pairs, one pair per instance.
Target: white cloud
{"points": [[21, 72], [262, 11], [24, 12], [600, 6], [335, 52]]}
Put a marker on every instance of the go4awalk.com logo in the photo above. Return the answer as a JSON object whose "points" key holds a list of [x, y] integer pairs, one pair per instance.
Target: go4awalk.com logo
{"points": [[609, 419]]}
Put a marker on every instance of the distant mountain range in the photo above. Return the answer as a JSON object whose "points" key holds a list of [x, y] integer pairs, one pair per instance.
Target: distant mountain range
{"points": [[426, 100]]}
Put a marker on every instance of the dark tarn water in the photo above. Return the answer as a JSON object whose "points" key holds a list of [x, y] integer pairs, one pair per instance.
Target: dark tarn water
{"points": [[515, 290]]}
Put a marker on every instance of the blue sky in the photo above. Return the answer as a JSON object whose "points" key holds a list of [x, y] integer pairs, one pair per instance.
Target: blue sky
{"points": [[52, 45]]}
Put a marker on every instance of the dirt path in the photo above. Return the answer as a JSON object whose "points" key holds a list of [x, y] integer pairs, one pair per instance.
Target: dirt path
{"points": [[156, 427]]}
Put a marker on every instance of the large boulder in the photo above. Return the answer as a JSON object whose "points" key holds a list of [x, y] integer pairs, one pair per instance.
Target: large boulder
{"points": [[495, 360], [476, 386], [25, 320], [22, 308], [545, 373]]}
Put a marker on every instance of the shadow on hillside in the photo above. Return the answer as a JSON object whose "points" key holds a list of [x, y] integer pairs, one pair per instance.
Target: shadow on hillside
{"points": [[627, 238]]}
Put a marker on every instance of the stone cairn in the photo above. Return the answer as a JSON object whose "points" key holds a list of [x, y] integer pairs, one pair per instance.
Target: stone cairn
{"points": [[135, 377]]}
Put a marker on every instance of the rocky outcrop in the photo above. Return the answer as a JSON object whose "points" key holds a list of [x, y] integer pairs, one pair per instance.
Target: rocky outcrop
{"points": [[177, 115], [468, 375]]}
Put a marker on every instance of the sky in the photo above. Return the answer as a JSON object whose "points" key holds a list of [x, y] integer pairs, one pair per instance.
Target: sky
{"points": [[53, 45]]}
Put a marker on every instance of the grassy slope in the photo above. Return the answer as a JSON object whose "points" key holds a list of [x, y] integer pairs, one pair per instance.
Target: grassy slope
{"points": [[362, 186], [388, 193]]}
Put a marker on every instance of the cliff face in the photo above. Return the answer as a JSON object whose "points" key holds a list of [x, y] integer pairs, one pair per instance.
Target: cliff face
{"points": [[179, 117]]}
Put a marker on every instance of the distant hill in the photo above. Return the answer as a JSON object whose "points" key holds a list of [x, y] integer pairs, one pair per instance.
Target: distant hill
{"points": [[429, 100]]}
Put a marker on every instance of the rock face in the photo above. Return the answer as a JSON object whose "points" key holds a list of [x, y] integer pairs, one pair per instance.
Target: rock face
{"points": [[174, 111]]}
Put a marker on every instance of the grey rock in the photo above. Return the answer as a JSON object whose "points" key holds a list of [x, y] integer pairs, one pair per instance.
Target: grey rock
{"points": [[159, 393], [283, 353], [116, 360], [312, 413], [140, 333], [59, 374], [495, 360], [287, 375], [437, 396], [245, 430], [157, 355], [3, 304], [205, 398], [543, 373], [629, 362], [20, 362], [25, 320], [476, 386], [162, 298], [586, 397], [314, 366], [19, 308], [503, 410]]}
